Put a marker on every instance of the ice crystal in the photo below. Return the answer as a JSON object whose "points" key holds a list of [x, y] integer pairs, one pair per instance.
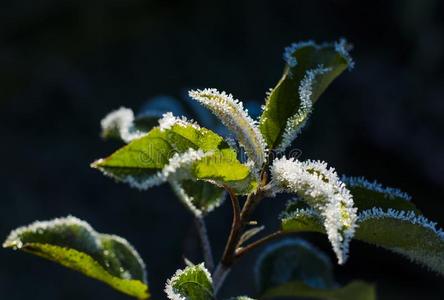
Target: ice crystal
{"points": [[171, 291], [321, 188], [121, 121], [297, 122], [389, 192], [177, 168], [232, 114]]}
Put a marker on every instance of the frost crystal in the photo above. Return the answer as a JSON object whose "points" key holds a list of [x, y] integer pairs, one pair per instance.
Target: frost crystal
{"points": [[408, 216], [168, 120], [178, 168], [389, 192], [232, 114], [341, 47], [296, 122], [321, 188], [170, 289], [121, 121]]}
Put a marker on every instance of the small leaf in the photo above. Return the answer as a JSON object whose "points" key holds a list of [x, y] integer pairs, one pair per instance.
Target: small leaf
{"points": [[248, 234], [231, 113], [357, 290], [368, 194], [309, 70], [177, 145], [191, 283], [74, 244], [119, 124], [293, 260], [402, 232], [320, 187], [199, 197]]}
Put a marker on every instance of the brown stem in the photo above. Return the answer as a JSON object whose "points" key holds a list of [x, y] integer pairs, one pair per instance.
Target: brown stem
{"points": [[236, 226], [242, 251]]}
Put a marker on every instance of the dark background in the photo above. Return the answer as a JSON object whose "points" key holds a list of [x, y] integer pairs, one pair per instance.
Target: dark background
{"points": [[65, 64]]}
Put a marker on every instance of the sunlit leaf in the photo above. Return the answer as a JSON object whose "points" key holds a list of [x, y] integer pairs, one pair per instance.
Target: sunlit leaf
{"points": [[74, 244], [233, 115], [191, 283], [309, 70], [174, 146]]}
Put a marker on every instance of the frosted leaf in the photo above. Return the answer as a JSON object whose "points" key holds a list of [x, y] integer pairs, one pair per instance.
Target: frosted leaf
{"points": [[231, 113], [178, 168], [296, 123], [168, 120], [321, 188], [341, 47], [121, 123], [193, 282], [389, 192]]}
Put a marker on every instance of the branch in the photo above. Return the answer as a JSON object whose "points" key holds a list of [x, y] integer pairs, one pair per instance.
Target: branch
{"points": [[236, 226], [242, 251], [205, 242]]}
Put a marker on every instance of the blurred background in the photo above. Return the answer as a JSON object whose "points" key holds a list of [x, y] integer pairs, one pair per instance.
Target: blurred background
{"points": [[65, 64]]}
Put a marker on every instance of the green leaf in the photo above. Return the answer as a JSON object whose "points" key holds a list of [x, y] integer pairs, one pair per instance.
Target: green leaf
{"points": [[356, 290], [367, 195], [241, 298], [402, 232], [232, 114], [191, 283], [148, 161], [309, 71], [199, 197], [293, 260], [74, 244]]}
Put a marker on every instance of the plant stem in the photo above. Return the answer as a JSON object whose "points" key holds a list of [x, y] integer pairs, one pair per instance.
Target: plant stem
{"points": [[241, 252], [205, 242], [235, 231]]}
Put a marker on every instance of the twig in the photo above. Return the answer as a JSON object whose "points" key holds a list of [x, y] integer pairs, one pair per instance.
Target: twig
{"points": [[235, 231], [242, 251], [205, 242]]}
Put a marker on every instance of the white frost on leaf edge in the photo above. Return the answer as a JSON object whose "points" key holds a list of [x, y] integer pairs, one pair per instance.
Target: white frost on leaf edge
{"points": [[375, 186], [168, 120], [122, 121], [177, 168], [232, 114], [321, 188], [13, 240], [296, 123], [187, 200], [408, 216], [342, 47], [169, 289]]}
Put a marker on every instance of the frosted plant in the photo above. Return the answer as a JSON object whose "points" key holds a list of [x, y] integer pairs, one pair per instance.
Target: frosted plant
{"points": [[203, 167], [320, 187]]}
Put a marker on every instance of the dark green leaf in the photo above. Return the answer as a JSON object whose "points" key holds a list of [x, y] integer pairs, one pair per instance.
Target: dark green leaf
{"points": [[293, 260], [402, 232], [356, 290], [284, 100]]}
